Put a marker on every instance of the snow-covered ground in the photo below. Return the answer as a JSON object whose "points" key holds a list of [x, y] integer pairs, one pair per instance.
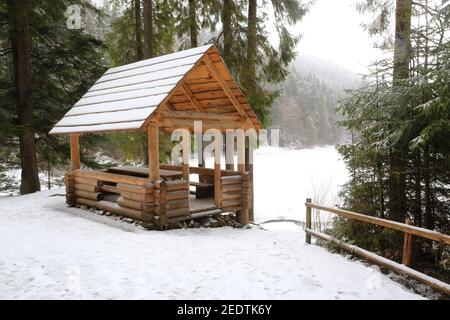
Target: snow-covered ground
{"points": [[48, 250]]}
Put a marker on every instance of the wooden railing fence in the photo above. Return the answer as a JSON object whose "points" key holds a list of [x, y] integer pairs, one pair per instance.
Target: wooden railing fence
{"points": [[408, 229]]}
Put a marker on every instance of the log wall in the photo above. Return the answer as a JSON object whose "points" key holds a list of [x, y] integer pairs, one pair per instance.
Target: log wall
{"points": [[70, 189], [171, 201], [232, 190], [135, 196], [160, 202]]}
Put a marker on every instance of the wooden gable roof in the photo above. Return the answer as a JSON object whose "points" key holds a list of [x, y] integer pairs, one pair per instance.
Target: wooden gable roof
{"points": [[172, 90]]}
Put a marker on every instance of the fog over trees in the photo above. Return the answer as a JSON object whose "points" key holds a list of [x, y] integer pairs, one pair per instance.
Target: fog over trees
{"points": [[306, 112]]}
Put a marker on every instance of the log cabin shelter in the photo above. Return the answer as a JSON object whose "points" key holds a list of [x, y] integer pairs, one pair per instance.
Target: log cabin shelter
{"points": [[163, 94]]}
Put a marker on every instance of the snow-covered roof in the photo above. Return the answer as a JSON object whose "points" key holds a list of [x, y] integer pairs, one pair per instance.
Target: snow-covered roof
{"points": [[126, 96]]}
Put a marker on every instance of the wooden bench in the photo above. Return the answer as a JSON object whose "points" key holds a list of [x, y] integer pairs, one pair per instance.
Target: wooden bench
{"points": [[203, 189]]}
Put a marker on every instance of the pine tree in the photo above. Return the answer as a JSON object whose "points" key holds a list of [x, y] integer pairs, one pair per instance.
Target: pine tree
{"points": [[121, 40], [192, 17]]}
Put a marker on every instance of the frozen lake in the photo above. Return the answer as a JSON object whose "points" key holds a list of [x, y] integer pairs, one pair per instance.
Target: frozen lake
{"points": [[284, 178]]}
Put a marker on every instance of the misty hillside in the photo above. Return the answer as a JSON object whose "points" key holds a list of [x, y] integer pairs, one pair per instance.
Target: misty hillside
{"points": [[305, 112]]}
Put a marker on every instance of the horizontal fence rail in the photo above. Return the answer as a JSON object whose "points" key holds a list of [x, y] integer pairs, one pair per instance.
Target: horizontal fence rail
{"points": [[421, 232], [408, 229]]}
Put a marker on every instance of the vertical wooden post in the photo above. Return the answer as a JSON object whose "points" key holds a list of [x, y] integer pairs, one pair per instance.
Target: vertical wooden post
{"points": [[74, 151], [200, 156], [186, 154], [217, 171], [249, 168], [160, 201], [308, 221], [229, 150], [243, 213], [240, 150], [199, 147], [74, 165], [153, 152], [70, 189], [407, 246]]}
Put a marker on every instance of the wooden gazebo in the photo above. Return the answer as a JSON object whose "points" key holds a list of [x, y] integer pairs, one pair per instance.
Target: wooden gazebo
{"points": [[163, 93]]}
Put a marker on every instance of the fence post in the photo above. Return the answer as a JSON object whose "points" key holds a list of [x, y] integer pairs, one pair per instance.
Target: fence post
{"points": [[407, 246], [308, 221]]}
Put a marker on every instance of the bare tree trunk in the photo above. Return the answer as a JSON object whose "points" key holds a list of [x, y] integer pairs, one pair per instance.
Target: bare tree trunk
{"points": [[251, 48], [148, 29], [137, 30], [193, 32], [251, 83], [402, 56], [18, 12], [49, 174], [397, 186], [402, 44], [227, 11], [148, 51]]}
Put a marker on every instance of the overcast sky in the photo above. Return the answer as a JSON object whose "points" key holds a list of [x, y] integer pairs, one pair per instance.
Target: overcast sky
{"points": [[332, 32]]}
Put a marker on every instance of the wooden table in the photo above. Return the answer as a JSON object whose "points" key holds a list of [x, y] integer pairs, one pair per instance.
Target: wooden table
{"points": [[143, 172]]}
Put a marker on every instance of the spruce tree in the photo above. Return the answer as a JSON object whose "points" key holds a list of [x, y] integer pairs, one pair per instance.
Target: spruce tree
{"points": [[399, 152], [64, 63]]}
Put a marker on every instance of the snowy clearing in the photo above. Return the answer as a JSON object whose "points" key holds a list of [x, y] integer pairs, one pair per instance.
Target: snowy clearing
{"points": [[50, 251]]}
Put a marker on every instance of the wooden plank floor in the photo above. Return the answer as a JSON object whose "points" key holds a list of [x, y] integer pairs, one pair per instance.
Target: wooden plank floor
{"points": [[198, 204]]}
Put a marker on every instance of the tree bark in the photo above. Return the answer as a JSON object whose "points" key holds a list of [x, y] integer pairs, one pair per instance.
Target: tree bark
{"points": [[251, 81], [148, 29], [193, 27], [402, 44], [18, 12], [138, 29], [251, 48], [249, 168], [227, 30], [397, 186]]}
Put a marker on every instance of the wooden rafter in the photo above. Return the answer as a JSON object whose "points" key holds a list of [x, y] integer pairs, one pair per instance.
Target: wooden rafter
{"points": [[191, 97], [169, 106], [164, 103], [223, 83]]}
